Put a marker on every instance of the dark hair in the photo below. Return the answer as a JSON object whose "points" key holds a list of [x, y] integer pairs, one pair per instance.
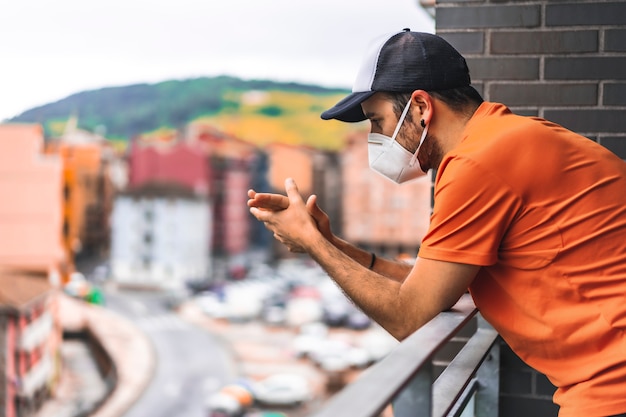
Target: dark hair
{"points": [[461, 100]]}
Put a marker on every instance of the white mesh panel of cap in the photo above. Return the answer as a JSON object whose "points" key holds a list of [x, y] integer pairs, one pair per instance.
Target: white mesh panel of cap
{"points": [[367, 71]]}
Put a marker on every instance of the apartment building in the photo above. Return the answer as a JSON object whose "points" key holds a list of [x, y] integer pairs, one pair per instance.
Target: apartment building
{"points": [[31, 252]]}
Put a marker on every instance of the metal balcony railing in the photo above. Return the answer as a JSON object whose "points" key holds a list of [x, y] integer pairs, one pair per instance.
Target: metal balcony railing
{"points": [[413, 381]]}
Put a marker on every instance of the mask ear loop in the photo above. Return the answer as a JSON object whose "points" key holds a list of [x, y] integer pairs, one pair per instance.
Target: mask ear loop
{"points": [[414, 157], [402, 116]]}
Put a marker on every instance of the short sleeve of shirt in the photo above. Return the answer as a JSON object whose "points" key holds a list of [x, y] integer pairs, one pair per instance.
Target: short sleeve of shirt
{"points": [[473, 209]]}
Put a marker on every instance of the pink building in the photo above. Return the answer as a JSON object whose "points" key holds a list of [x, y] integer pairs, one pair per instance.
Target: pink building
{"points": [[379, 214], [31, 223], [31, 192]]}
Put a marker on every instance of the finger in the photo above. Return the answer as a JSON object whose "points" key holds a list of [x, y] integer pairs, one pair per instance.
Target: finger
{"points": [[260, 214], [292, 192], [311, 204], [314, 210], [267, 201], [251, 193]]}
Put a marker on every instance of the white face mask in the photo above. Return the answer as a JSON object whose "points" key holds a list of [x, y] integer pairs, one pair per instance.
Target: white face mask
{"points": [[389, 158]]}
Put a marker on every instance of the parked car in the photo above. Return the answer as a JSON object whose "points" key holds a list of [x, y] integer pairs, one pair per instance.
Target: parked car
{"points": [[378, 343], [282, 389], [224, 405], [357, 320], [232, 400], [210, 304]]}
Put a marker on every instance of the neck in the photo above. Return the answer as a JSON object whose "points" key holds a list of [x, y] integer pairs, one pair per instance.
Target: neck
{"points": [[449, 125]]}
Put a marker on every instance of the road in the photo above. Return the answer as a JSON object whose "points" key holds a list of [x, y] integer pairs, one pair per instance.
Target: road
{"points": [[191, 363]]}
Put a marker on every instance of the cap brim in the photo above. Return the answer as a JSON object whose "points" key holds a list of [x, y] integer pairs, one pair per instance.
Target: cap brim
{"points": [[349, 109]]}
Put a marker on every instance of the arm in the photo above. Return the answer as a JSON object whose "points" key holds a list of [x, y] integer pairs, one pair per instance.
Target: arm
{"points": [[397, 271], [400, 306]]}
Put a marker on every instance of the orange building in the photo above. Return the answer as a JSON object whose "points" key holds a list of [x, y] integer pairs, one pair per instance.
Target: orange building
{"points": [[314, 171], [87, 191], [290, 161]]}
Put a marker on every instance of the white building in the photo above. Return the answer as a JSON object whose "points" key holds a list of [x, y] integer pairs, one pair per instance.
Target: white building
{"points": [[161, 237]]}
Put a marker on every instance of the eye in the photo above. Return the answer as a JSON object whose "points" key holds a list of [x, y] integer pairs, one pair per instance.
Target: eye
{"points": [[376, 123]]}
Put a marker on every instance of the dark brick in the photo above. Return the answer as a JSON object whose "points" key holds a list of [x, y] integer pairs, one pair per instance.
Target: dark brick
{"points": [[614, 94], [616, 144], [542, 94], [596, 68], [516, 382], [589, 120], [543, 386], [525, 112], [504, 68], [466, 42], [509, 360], [615, 40], [589, 14], [488, 17], [524, 407], [553, 42]]}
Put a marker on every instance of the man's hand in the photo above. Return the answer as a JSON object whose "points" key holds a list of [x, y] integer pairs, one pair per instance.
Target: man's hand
{"points": [[277, 202], [287, 217]]}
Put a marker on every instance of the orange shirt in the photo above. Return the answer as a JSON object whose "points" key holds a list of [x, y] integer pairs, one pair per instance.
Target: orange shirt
{"points": [[543, 211]]}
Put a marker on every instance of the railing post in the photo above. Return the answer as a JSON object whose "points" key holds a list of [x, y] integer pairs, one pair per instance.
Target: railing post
{"points": [[415, 400], [488, 376]]}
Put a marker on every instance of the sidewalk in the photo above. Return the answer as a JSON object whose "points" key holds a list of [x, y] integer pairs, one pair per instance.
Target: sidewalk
{"points": [[131, 352]]}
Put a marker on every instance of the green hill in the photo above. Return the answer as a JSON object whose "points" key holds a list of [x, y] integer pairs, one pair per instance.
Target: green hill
{"points": [[258, 111]]}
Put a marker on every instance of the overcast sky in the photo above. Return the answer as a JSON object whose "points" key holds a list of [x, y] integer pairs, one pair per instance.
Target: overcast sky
{"points": [[52, 49]]}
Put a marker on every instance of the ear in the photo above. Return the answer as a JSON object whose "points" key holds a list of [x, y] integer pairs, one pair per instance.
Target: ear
{"points": [[422, 106]]}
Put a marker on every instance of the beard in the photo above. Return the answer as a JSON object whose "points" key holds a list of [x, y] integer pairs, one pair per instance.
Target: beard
{"points": [[431, 153]]}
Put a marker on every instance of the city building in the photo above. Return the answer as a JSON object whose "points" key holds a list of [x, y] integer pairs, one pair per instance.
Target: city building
{"points": [[30, 338], [160, 237], [31, 253], [314, 171], [88, 190], [31, 213], [234, 169], [214, 165]]}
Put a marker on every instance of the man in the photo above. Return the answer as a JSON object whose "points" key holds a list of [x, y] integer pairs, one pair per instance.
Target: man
{"points": [[528, 216]]}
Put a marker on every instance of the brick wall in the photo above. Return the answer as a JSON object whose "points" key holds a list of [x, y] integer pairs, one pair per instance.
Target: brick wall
{"points": [[564, 61], [561, 60]]}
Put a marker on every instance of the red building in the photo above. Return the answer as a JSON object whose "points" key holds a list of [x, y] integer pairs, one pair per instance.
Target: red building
{"points": [[213, 165], [231, 161]]}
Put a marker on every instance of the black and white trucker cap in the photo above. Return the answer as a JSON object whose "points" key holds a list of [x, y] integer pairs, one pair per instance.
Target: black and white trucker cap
{"points": [[402, 63]]}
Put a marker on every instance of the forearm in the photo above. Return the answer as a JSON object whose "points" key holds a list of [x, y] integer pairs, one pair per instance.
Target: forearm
{"points": [[396, 271], [380, 298]]}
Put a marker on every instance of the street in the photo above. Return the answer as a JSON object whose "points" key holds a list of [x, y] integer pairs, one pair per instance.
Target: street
{"points": [[191, 363]]}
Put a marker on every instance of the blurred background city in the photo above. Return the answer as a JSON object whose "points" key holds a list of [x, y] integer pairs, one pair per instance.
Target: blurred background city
{"points": [[133, 280]]}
